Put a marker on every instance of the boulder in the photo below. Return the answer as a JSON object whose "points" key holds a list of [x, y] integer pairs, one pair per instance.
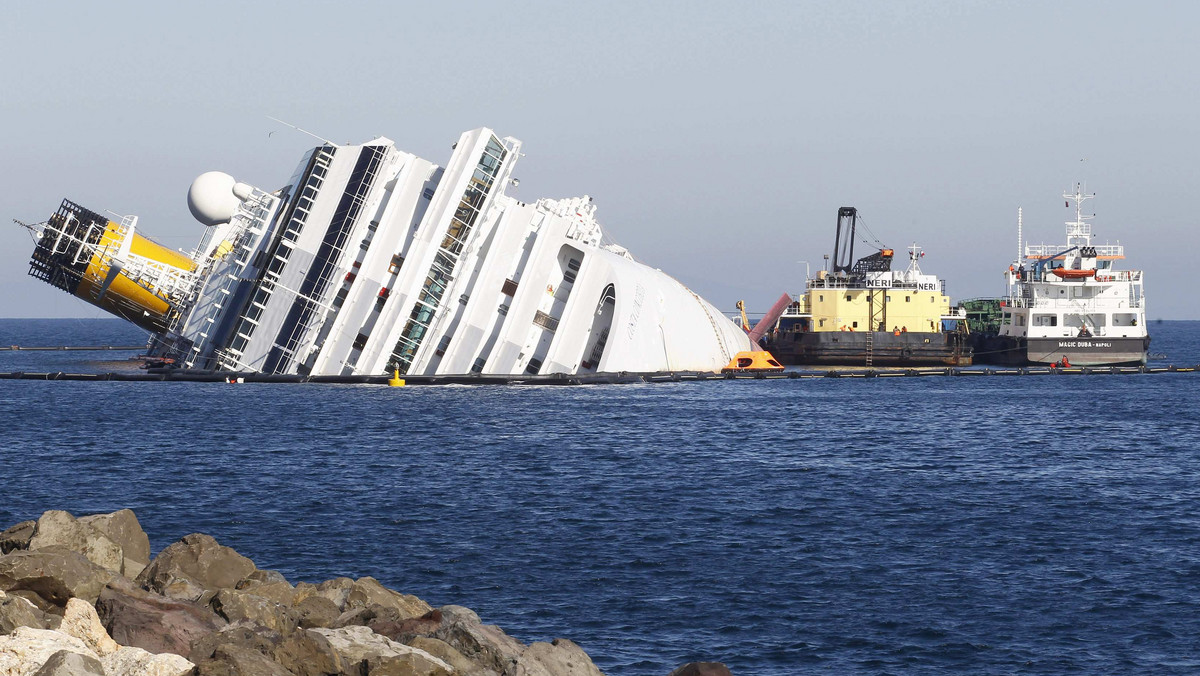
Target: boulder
{"points": [[307, 653], [237, 661], [404, 630], [702, 669], [446, 653], [316, 611], [57, 527], [19, 612], [67, 663], [279, 592], [358, 644], [80, 620], [452, 613], [366, 591], [559, 658], [240, 636], [262, 577], [135, 617], [17, 537], [195, 564], [123, 528], [129, 661], [234, 605], [336, 590], [484, 644], [26, 649], [54, 573]]}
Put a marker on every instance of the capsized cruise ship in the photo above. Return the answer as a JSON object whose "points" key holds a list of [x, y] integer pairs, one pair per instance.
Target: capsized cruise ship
{"points": [[371, 260]]}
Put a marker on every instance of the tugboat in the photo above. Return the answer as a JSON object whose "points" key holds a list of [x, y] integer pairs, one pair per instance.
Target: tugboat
{"points": [[1067, 304], [863, 313]]}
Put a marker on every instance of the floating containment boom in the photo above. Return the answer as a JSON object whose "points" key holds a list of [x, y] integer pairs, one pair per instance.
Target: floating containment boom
{"points": [[370, 260]]}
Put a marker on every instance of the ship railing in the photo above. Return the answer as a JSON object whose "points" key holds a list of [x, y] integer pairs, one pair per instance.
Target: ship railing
{"points": [[1046, 250]]}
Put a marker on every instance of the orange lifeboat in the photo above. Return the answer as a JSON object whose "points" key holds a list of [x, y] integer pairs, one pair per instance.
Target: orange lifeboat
{"points": [[1073, 274], [756, 361]]}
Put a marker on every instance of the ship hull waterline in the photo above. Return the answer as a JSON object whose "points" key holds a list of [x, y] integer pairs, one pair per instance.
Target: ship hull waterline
{"points": [[1090, 351], [850, 348]]}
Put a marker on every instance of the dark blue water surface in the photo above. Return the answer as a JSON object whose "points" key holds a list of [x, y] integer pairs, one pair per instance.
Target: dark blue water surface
{"points": [[901, 525]]}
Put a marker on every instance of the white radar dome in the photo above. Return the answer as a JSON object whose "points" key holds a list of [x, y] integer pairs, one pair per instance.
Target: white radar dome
{"points": [[214, 197]]}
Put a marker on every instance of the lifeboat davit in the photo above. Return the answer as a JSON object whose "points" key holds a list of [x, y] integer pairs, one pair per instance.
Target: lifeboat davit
{"points": [[755, 361], [1073, 274]]}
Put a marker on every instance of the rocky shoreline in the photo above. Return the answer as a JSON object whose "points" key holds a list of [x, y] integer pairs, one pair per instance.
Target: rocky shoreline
{"points": [[81, 597]]}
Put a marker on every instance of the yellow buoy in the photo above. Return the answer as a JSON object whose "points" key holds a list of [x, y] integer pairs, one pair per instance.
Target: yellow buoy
{"points": [[396, 380]]}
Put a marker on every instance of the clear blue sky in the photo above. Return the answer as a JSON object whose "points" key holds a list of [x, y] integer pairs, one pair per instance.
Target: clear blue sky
{"points": [[717, 138]]}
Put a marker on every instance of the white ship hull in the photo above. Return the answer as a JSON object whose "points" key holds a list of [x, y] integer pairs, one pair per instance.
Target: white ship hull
{"points": [[372, 260]]}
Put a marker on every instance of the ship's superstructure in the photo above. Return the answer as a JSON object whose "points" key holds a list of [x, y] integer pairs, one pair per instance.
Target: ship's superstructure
{"points": [[372, 260], [1067, 303], [865, 313]]}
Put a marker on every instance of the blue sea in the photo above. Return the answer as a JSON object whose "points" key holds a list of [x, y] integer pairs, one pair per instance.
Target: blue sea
{"points": [[1031, 525]]}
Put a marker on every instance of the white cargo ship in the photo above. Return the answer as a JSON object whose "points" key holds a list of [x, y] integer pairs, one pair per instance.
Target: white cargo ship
{"points": [[1069, 304]]}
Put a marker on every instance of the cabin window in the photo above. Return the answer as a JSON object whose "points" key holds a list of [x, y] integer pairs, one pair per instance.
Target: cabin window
{"points": [[442, 345], [908, 299], [855, 325], [847, 297], [821, 298], [509, 288]]}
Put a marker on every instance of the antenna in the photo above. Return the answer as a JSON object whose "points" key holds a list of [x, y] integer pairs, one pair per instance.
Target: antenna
{"points": [[1020, 240], [302, 131]]}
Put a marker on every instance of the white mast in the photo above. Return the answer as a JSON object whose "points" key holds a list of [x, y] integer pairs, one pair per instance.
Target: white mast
{"points": [[1020, 239], [1079, 231]]}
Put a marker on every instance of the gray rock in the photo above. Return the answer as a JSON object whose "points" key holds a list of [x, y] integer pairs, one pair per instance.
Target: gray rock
{"points": [[241, 636], [317, 611], [19, 612], [559, 658], [484, 644], [263, 577], [231, 651], [67, 663], [367, 591], [123, 528], [135, 617], [701, 669], [56, 527], [307, 653], [446, 653], [193, 565], [383, 656], [235, 606], [54, 573], [233, 660], [453, 613], [336, 590], [279, 592], [17, 537]]}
